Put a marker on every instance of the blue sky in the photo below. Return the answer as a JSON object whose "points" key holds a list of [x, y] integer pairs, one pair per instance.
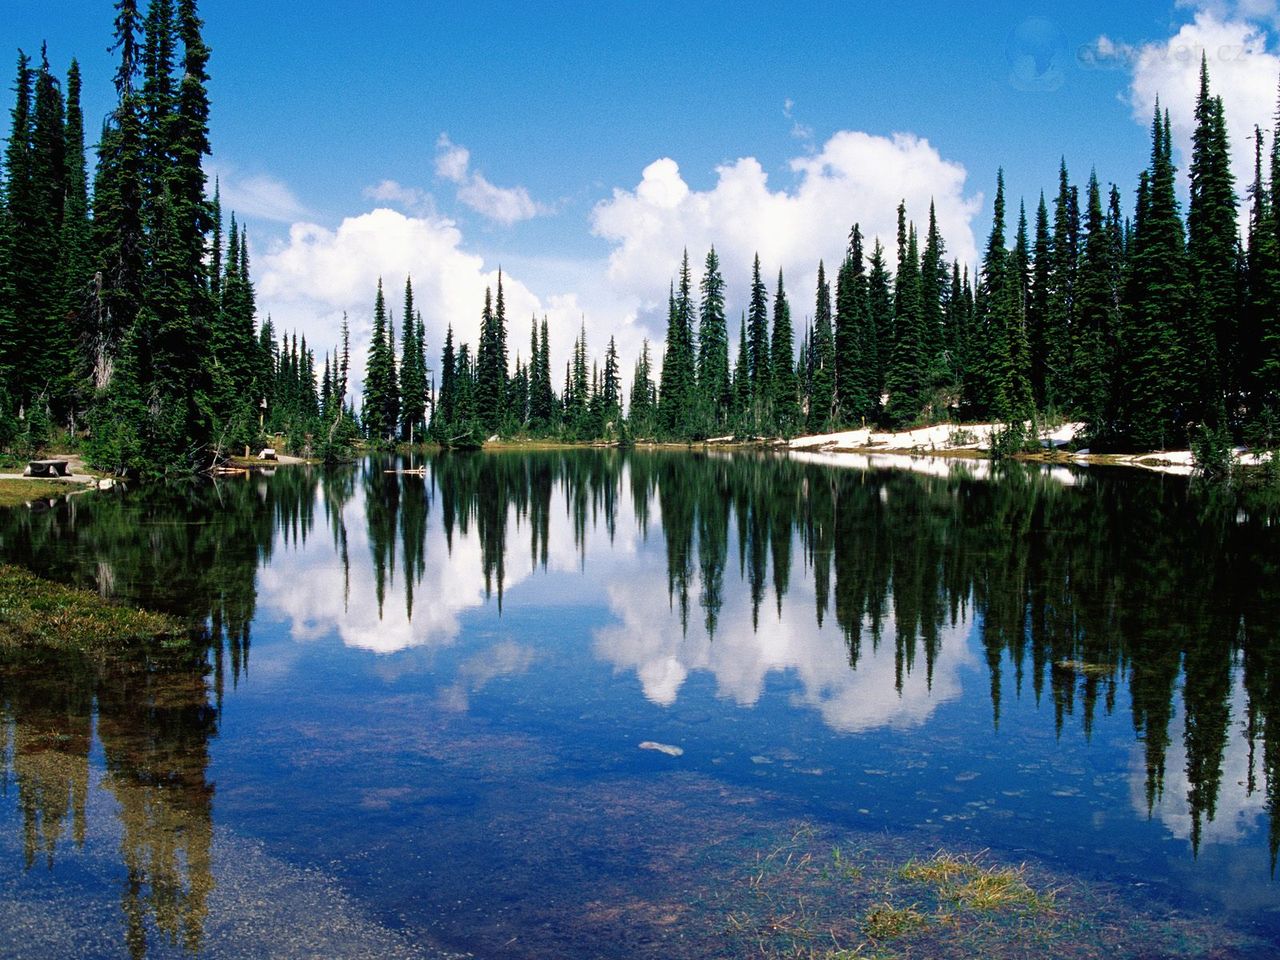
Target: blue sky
{"points": [[520, 134]]}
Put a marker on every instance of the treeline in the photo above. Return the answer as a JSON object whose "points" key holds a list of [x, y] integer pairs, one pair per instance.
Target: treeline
{"points": [[122, 322], [1155, 331]]}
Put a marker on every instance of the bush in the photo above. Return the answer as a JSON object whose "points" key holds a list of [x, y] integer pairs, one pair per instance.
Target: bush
{"points": [[1211, 451]]}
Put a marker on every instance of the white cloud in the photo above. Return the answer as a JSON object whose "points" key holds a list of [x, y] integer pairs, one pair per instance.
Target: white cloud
{"points": [[1258, 11], [255, 195], [1241, 69], [307, 283], [412, 199], [854, 177], [506, 205]]}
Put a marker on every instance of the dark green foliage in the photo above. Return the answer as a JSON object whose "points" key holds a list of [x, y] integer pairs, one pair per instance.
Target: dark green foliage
{"points": [[1097, 304], [1155, 319], [678, 388], [642, 404], [785, 397], [413, 371], [906, 377], [1061, 377], [715, 389], [758, 344], [491, 363], [1215, 369], [858, 367], [821, 361], [381, 410]]}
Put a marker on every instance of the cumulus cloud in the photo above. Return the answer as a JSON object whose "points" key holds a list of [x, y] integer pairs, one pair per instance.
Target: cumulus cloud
{"points": [[1242, 69], [505, 205], [319, 272], [411, 199], [854, 177], [310, 280], [256, 195]]}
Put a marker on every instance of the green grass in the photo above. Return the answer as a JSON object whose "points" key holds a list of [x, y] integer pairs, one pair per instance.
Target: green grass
{"points": [[38, 612], [14, 493], [886, 922]]}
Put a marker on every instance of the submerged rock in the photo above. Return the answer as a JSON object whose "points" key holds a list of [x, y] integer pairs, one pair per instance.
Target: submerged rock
{"points": [[666, 748]]}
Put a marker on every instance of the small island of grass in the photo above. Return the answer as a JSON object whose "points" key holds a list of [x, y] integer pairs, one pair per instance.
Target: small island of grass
{"points": [[38, 612]]}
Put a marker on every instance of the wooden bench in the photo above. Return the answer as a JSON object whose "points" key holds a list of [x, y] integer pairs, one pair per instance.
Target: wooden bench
{"points": [[46, 468]]}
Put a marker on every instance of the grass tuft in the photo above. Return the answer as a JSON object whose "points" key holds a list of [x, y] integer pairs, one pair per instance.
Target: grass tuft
{"points": [[38, 612], [885, 922]]}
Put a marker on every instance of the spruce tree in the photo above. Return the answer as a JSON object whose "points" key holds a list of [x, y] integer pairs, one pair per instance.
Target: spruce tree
{"points": [[1260, 334], [758, 337], [713, 346], [1156, 315], [785, 396], [1213, 260], [821, 358], [906, 378], [381, 400], [1097, 304]]}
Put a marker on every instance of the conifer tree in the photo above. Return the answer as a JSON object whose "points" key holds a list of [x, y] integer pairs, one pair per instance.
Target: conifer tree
{"points": [[413, 370], [758, 336], [785, 397], [381, 417], [906, 378], [677, 391], [445, 413], [1038, 304], [713, 345], [642, 400], [491, 362], [1156, 316], [1097, 303], [1213, 260], [821, 357], [1260, 334], [933, 294], [1060, 374], [880, 309]]}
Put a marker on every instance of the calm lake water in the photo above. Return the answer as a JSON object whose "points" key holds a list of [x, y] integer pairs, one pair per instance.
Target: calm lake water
{"points": [[586, 704]]}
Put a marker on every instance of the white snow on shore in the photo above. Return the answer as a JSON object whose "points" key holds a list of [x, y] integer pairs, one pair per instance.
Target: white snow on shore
{"points": [[869, 445]]}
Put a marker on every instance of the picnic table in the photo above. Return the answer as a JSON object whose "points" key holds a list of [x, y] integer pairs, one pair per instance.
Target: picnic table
{"points": [[47, 468]]}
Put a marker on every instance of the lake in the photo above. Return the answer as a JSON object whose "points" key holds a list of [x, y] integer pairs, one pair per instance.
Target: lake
{"points": [[661, 704]]}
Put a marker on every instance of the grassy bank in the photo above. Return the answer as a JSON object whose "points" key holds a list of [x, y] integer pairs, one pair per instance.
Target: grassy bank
{"points": [[14, 493], [38, 612]]}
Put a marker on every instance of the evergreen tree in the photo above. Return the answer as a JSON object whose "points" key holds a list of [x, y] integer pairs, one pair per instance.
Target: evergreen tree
{"points": [[445, 412], [642, 400], [713, 346], [1213, 260], [821, 351], [381, 416], [785, 395], [933, 295], [1157, 310], [857, 368], [906, 375], [758, 337], [413, 370], [1038, 304], [988, 346], [491, 362], [1260, 334], [677, 391], [1097, 305], [1060, 375], [880, 309]]}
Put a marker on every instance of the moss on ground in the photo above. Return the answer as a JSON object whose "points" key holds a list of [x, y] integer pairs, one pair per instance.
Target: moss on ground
{"points": [[38, 612]]}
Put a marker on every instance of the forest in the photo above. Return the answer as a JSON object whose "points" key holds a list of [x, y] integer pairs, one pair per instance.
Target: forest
{"points": [[129, 326]]}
